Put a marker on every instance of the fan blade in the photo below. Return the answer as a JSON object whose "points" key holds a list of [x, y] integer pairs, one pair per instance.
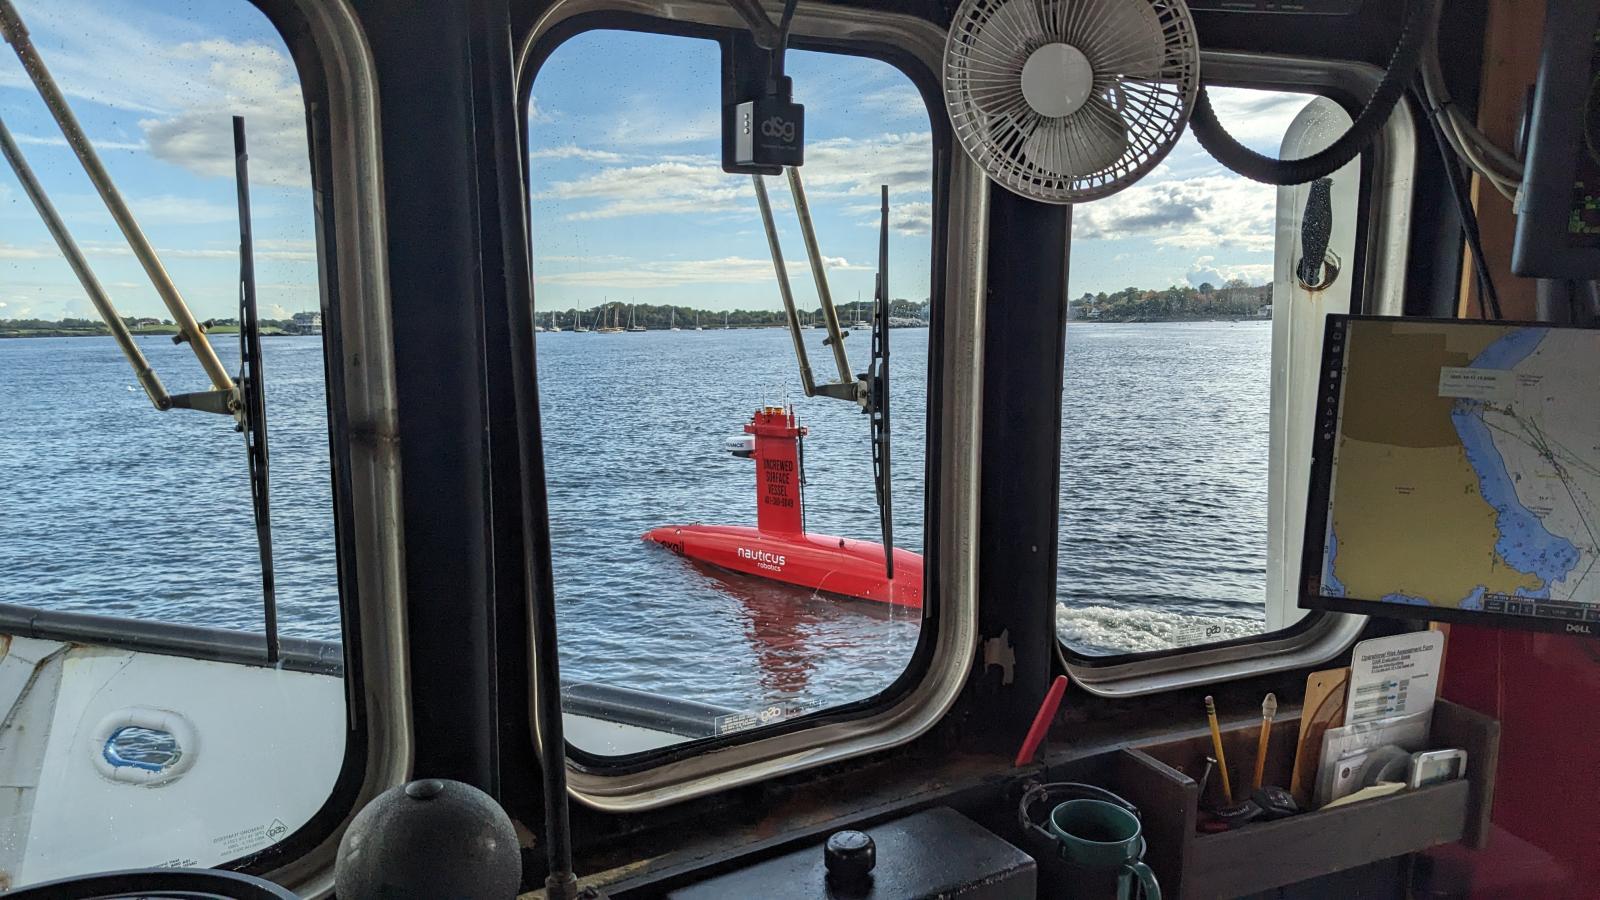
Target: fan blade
{"points": [[1090, 140], [1120, 38]]}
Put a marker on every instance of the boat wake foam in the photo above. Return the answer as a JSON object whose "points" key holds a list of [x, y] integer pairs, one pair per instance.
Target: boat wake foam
{"points": [[1104, 630]]}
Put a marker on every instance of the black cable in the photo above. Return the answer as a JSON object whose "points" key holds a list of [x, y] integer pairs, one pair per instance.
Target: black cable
{"points": [[776, 77], [1241, 159], [1469, 219]]}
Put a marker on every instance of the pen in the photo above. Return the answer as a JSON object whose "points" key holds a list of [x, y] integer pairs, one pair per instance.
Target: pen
{"points": [[1269, 709], [1216, 742]]}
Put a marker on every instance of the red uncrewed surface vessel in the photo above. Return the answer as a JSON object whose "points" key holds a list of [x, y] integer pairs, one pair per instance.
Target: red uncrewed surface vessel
{"points": [[778, 547]]}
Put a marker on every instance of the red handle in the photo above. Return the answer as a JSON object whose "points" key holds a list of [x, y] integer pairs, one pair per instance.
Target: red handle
{"points": [[1041, 721]]}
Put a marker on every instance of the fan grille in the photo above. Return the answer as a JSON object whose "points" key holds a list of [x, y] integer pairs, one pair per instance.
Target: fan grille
{"points": [[1146, 64]]}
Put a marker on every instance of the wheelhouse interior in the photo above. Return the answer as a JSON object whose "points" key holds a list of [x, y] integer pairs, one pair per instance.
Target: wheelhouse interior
{"points": [[527, 294]]}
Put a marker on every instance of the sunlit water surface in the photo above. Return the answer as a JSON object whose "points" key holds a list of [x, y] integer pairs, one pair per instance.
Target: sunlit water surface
{"points": [[110, 507]]}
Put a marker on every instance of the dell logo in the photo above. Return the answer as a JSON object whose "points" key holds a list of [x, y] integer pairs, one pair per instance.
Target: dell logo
{"points": [[777, 127], [1573, 628]]}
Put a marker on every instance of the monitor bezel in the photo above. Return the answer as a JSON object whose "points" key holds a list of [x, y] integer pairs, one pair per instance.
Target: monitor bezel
{"points": [[1541, 248], [1330, 397]]}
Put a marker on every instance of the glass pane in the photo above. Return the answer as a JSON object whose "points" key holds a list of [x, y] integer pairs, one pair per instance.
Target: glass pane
{"points": [[108, 507], [659, 340], [1167, 413]]}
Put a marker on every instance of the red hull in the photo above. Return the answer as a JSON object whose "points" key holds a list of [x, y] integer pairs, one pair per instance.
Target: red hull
{"points": [[816, 561]]}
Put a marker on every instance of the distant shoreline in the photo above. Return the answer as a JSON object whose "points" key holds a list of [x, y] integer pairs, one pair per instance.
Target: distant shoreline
{"points": [[156, 331], [1166, 321], [168, 330]]}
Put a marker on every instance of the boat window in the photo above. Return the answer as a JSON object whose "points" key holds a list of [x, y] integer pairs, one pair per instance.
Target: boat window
{"points": [[144, 722], [717, 548], [1179, 523]]}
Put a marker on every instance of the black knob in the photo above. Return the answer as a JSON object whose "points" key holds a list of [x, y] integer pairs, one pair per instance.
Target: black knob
{"points": [[849, 857]]}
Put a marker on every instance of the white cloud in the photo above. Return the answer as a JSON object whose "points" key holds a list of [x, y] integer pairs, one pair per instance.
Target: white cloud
{"points": [[103, 58], [573, 151], [252, 79], [835, 169], [859, 165], [672, 273], [900, 101], [279, 251], [1257, 118], [642, 123], [1202, 212], [683, 186], [1206, 269], [57, 140], [12, 251], [171, 209], [185, 85]]}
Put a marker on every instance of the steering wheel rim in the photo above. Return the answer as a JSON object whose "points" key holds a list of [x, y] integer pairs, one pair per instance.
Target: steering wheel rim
{"points": [[168, 884]]}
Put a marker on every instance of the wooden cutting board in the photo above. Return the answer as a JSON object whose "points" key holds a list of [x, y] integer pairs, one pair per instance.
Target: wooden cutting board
{"points": [[1322, 709]]}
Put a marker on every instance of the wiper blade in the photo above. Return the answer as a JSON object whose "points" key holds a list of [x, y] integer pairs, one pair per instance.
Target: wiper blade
{"points": [[252, 395], [877, 379]]}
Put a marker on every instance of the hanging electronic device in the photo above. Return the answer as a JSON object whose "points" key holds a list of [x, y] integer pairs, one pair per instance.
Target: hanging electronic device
{"points": [[768, 129]]}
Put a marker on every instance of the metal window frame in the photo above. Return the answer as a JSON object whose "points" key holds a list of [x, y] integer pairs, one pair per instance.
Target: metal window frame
{"points": [[353, 193], [1389, 185], [960, 416]]}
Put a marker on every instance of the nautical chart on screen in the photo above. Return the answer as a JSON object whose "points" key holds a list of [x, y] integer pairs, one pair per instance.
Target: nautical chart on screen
{"points": [[1463, 467]]}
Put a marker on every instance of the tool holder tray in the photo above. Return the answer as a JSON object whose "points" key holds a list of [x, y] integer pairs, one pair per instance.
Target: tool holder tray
{"points": [[1161, 779]]}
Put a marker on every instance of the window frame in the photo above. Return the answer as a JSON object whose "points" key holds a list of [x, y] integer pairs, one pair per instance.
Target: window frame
{"points": [[1387, 181], [917, 664], [339, 86], [920, 696]]}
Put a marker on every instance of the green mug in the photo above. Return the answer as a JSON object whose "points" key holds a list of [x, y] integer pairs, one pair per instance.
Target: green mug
{"points": [[1105, 843]]}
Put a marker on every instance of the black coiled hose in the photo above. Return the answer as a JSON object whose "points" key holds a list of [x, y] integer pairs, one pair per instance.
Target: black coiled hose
{"points": [[1241, 159]]}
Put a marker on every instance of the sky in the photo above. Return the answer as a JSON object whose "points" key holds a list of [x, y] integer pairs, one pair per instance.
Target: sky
{"points": [[154, 85], [628, 200]]}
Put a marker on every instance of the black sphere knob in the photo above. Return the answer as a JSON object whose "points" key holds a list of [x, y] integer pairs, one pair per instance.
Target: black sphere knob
{"points": [[429, 838], [849, 857]]}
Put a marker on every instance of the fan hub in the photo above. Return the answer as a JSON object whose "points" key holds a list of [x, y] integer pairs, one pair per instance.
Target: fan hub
{"points": [[1057, 79]]}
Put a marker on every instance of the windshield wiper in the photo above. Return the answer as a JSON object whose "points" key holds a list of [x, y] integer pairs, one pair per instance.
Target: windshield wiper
{"points": [[877, 379], [252, 394], [244, 399]]}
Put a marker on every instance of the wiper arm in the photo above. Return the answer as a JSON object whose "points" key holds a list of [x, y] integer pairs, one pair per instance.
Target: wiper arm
{"points": [[223, 398], [870, 390]]}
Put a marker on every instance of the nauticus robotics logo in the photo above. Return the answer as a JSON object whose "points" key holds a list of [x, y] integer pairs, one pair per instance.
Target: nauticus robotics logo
{"points": [[763, 559], [778, 127]]}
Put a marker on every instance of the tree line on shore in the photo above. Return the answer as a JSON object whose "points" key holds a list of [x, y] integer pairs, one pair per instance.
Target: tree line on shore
{"points": [[1236, 299], [74, 327], [656, 317], [646, 315]]}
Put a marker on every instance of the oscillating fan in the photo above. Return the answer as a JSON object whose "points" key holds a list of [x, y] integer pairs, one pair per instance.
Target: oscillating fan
{"points": [[1070, 100]]}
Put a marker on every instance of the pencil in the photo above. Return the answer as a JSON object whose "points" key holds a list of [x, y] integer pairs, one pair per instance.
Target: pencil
{"points": [[1216, 742], [1269, 711]]}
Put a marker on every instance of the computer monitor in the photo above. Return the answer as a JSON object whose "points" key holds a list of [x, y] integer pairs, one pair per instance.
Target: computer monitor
{"points": [[1456, 473]]}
